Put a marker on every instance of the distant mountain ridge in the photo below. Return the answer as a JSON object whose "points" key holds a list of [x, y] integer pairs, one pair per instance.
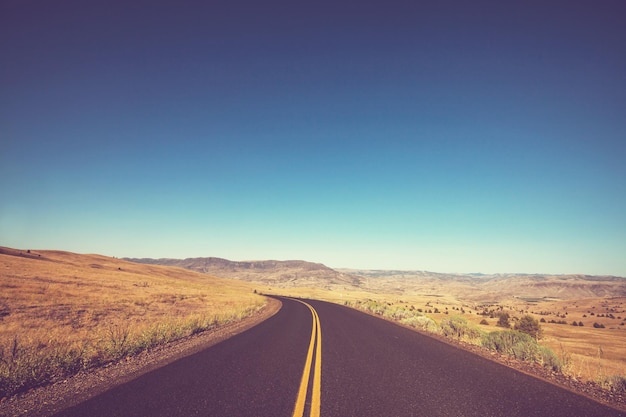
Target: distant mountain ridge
{"points": [[475, 286], [496, 286], [293, 273]]}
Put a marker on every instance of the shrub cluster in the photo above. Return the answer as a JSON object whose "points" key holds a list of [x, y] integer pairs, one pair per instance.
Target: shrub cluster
{"points": [[529, 325], [520, 343], [409, 316], [422, 322], [458, 328], [521, 346], [388, 310]]}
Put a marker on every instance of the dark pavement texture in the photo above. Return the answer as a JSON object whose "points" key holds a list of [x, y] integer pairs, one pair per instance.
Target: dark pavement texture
{"points": [[370, 367]]}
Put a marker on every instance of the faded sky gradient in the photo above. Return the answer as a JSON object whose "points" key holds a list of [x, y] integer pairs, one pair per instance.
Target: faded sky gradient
{"points": [[444, 136]]}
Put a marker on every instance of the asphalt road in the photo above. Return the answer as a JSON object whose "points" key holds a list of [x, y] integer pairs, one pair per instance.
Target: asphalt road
{"points": [[345, 363]]}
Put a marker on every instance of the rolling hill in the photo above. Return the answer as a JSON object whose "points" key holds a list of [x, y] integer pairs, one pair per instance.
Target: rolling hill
{"points": [[283, 274], [476, 287]]}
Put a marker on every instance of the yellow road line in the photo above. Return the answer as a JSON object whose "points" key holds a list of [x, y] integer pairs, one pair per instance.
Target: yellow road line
{"points": [[316, 333], [317, 375]]}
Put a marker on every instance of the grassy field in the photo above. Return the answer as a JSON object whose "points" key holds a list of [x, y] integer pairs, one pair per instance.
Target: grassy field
{"points": [[62, 312], [585, 352], [590, 353]]}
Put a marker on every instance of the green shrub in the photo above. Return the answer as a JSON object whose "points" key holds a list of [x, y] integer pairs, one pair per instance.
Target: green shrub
{"points": [[507, 341], [405, 315], [521, 346], [398, 313], [548, 359], [503, 320], [529, 325], [458, 328], [422, 322]]}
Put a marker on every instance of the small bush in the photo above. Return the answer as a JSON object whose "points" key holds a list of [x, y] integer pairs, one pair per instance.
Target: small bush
{"points": [[458, 328], [549, 359], [422, 322], [503, 320], [521, 346], [529, 325]]}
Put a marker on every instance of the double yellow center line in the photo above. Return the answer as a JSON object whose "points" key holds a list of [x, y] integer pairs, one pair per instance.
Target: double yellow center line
{"points": [[316, 336]]}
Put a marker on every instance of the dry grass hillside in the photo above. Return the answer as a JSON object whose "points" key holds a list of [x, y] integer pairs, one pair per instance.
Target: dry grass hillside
{"points": [[62, 312]]}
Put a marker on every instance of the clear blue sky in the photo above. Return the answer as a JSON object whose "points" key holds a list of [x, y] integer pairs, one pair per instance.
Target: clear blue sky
{"points": [[475, 136]]}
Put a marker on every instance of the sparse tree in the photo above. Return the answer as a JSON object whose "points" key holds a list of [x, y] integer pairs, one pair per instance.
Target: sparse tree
{"points": [[503, 320], [529, 325]]}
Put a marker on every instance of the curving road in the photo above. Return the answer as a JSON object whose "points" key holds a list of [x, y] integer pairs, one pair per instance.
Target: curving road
{"points": [[317, 358]]}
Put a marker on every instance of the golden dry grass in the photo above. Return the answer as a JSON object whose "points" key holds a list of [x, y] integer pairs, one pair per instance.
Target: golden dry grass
{"points": [[61, 312], [587, 353], [590, 353]]}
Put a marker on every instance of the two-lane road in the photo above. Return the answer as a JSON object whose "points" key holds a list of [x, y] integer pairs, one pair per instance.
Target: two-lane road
{"points": [[362, 366]]}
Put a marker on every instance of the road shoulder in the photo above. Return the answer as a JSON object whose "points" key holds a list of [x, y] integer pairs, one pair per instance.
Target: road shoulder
{"points": [[587, 389], [47, 400]]}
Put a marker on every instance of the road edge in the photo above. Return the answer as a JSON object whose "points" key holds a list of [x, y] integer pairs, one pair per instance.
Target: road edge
{"points": [[47, 400], [586, 390]]}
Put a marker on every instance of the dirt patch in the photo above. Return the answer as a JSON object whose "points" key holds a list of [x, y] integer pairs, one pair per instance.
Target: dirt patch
{"points": [[45, 401]]}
